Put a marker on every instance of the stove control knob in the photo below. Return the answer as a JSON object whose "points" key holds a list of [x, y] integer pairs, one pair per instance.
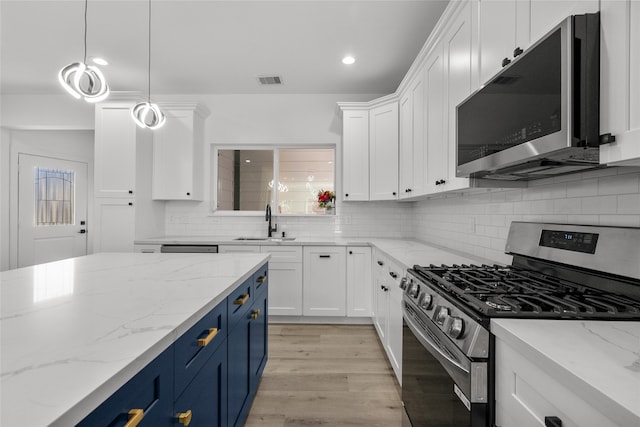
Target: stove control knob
{"points": [[441, 315], [414, 290], [425, 301], [456, 327], [404, 283]]}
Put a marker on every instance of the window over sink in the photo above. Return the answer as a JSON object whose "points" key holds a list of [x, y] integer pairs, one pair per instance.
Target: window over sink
{"points": [[246, 179]]}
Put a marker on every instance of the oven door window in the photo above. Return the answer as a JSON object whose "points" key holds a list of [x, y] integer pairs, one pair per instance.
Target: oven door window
{"points": [[428, 390]]}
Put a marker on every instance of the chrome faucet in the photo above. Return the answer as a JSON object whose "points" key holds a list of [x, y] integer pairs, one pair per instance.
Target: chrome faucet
{"points": [[268, 218]]}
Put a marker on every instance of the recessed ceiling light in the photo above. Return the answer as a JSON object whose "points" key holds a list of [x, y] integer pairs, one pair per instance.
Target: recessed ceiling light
{"points": [[247, 161], [99, 61], [348, 60]]}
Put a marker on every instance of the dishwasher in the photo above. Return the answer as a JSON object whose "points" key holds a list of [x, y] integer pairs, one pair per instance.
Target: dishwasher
{"points": [[189, 249]]}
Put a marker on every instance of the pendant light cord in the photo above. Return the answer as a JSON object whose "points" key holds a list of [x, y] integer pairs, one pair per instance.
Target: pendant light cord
{"points": [[149, 68], [85, 31]]}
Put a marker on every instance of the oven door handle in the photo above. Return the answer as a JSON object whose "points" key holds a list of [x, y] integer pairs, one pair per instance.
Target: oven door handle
{"points": [[429, 344]]}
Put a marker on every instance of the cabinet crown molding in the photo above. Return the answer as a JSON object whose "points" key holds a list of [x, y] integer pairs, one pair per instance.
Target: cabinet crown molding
{"points": [[198, 108]]}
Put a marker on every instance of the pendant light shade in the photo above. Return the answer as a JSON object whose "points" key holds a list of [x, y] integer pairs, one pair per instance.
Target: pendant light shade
{"points": [[146, 114], [82, 80]]}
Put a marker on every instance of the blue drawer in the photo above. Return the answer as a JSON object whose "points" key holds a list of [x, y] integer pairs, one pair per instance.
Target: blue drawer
{"points": [[239, 302], [195, 347]]}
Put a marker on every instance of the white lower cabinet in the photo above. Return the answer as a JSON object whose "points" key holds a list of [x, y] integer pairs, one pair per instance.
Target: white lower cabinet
{"points": [[285, 280], [526, 394], [387, 316], [115, 225], [324, 283], [359, 289], [147, 249]]}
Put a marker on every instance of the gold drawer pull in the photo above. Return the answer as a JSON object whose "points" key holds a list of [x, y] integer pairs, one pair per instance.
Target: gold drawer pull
{"points": [[135, 416], [255, 314], [184, 418], [262, 279], [203, 342], [243, 298]]}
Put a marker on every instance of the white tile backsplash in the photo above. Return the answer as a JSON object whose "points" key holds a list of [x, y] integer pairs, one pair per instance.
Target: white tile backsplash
{"points": [[603, 197], [476, 223]]}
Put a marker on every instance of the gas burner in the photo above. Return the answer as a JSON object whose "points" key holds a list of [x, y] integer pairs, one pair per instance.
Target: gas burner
{"points": [[495, 304]]}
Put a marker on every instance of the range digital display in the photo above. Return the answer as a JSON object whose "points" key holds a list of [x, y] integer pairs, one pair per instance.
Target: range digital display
{"points": [[569, 241]]}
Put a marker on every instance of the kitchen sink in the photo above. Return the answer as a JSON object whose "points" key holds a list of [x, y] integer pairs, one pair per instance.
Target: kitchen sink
{"points": [[266, 239]]}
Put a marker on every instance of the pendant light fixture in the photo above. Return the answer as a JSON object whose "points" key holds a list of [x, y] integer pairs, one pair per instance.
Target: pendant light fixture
{"points": [[146, 114], [82, 80]]}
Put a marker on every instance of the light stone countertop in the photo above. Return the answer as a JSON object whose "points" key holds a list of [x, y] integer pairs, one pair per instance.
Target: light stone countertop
{"points": [[405, 251], [597, 360], [74, 331]]}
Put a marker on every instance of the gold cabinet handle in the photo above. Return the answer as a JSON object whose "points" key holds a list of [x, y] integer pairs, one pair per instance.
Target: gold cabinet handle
{"points": [[203, 342], [262, 279], [184, 418], [243, 298], [255, 314], [135, 416]]}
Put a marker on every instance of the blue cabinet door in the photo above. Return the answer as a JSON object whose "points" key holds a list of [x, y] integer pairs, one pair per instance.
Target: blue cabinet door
{"points": [[206, 395], [258, 339], [151, 391], [238, 370]]}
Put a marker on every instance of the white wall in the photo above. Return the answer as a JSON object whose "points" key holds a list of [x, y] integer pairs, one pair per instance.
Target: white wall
{"points": [[4, 197], [478, 223], [45, 112]]}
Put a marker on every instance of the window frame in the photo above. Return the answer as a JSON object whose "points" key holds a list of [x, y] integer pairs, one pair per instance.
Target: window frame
{"points": [[215, 148]]}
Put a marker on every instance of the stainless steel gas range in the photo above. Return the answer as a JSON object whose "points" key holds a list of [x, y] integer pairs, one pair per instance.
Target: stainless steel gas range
{"points": [[558, 271]]}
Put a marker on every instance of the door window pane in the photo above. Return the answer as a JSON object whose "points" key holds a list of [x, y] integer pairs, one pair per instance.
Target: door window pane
{"points": [[54, 197]]}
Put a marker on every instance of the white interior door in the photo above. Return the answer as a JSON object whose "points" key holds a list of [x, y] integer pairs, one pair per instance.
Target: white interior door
{"points": [[52, 209]]}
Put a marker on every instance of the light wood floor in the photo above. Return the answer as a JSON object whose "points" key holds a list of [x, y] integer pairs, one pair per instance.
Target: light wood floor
{"points": [[326, 375]]}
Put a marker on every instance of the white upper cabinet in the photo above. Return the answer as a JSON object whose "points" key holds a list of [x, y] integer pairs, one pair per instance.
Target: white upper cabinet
{"points": [[545, 14], [504, 33], [178, 155], [115, 150], [620, 81], [383, 146], [412, 139], [437, 155], [355, 154], [460, 67]]}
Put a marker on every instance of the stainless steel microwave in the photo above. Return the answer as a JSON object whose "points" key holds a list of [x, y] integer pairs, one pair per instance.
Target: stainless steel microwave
{"points": [[539, 116]]}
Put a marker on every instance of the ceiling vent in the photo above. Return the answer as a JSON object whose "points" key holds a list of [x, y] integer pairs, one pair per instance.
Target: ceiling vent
{"points": [[270, 80]]}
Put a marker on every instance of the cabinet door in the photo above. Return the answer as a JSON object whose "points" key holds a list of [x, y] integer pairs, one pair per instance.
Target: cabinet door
{"points": [[497, 35], [206, 395], [115, 151], [258, 339], [324, 281], [547, 14], [620, 81], [285, 280], [177, 159], [383, 151], [239, 378], [151, 390], [115, 225], [394, 328], [460, 52], [359, 286], [406, 146], [436, 168], [417, 89], [381, 317], [355, 155]]}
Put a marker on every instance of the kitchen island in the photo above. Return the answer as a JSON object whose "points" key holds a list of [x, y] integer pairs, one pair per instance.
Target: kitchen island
{"points": [[74, 331]]}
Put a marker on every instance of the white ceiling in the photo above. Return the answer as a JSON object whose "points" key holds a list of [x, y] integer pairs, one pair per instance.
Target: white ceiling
{"points": [[212, 46]]}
